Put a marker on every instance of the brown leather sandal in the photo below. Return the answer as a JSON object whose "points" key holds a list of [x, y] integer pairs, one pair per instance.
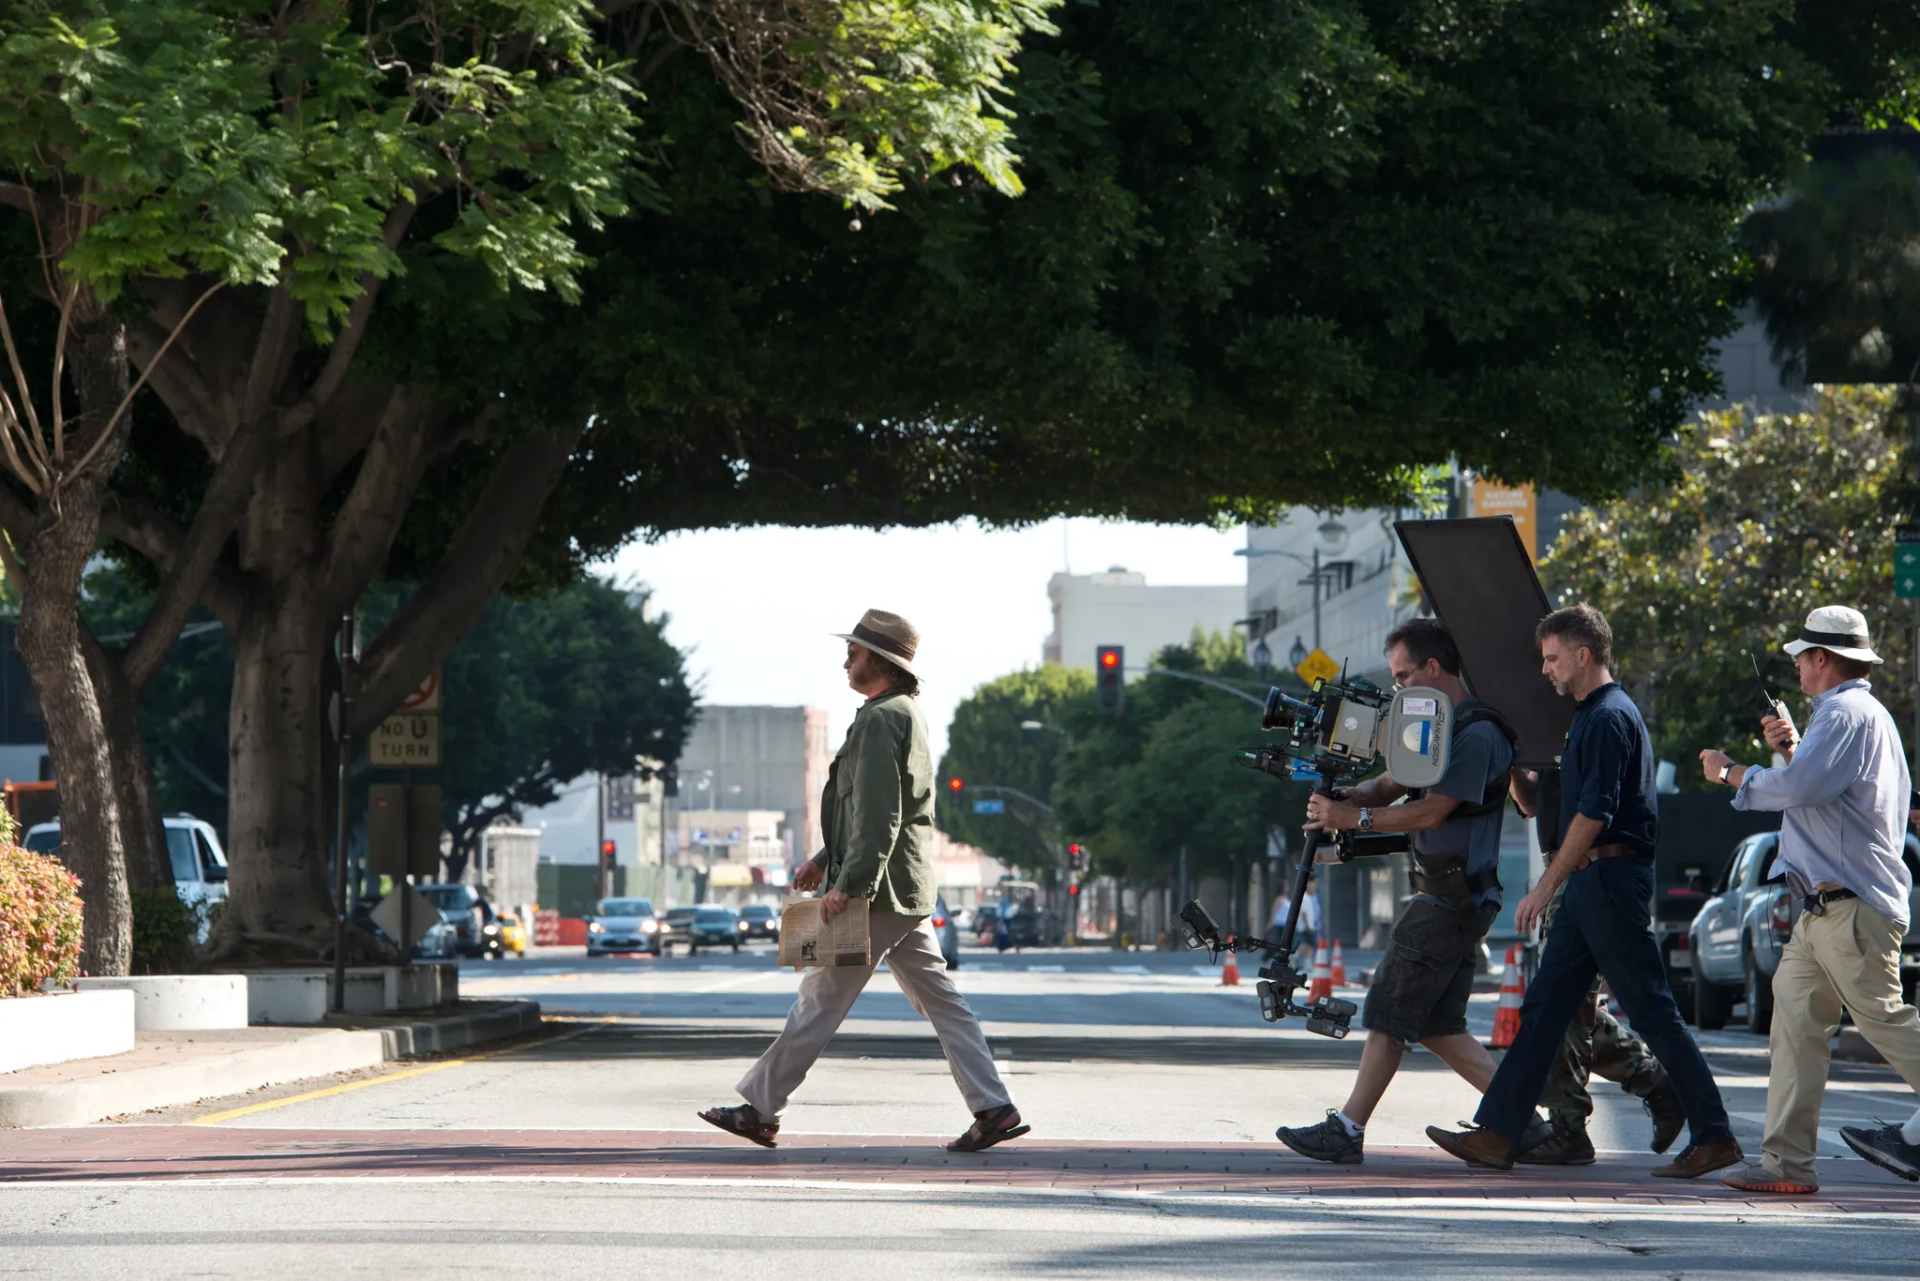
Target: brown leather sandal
{"points": [[988, 1128], [745, 1122]]}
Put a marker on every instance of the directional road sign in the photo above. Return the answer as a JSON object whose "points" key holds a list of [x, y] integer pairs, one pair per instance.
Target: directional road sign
{"points": [[1906, 562], [406, 740], [1317, 666], [989, 807]]}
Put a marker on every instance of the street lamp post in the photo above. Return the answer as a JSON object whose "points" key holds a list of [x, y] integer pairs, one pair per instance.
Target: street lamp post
{"points": [[1333, 537]]}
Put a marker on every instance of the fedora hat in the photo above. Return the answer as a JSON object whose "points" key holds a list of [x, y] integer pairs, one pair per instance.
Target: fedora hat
{"points": [[1837, 628], [888, 635]]}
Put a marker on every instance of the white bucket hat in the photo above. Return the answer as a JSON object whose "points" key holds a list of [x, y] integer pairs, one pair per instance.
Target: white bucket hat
{"points": [[1836, 628]]}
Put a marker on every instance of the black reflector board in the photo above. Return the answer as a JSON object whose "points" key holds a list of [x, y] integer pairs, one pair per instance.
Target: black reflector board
{"points": [[1481, 584]]}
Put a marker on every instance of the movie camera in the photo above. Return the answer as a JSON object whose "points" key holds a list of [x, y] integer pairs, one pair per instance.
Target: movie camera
{"points": [[1334, 735]]}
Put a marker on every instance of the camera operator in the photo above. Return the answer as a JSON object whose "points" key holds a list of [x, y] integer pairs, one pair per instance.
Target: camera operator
{"points": [[1608, 825], [1844, 794], [1420, 992]]}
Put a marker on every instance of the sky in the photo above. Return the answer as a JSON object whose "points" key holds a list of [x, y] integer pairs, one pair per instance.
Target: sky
{"points": [[756, 609]]}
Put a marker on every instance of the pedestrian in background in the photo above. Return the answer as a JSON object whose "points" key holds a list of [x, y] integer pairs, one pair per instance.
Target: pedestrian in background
{"points": [[1605, 924], [1306, 933], [1844, 796], [1277, 918], [877, 821]]}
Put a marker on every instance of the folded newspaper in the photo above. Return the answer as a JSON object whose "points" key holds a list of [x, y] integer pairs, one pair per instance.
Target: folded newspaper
{"points": [[807, 939]]}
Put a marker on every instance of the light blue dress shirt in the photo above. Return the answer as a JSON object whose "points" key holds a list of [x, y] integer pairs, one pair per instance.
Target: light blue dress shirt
{"points": [[1843, 799]]}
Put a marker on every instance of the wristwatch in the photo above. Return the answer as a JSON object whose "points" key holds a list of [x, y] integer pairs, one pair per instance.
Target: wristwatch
{"points": [[1726, 770], [1366, 820]]}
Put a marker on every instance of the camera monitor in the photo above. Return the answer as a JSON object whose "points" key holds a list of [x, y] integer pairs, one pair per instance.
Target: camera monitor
{"points": [[1481, 584]]}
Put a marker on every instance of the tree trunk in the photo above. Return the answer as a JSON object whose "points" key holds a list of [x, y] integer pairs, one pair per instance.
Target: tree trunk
{"points": [[143, 834], [49, 643]]}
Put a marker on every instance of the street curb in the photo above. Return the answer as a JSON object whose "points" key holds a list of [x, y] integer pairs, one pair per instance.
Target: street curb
{"points": [[439, 1033], [113, 1093], [96, 1088]]}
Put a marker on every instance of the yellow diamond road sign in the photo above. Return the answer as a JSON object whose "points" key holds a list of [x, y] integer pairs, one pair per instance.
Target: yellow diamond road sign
{"points": [[1317, 666]]}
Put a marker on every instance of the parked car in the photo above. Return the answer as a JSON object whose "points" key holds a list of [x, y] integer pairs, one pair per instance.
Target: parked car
{"points": [[439, 943], [947, 930], [715, 927], [199, 862], [1736, 939], [677, 926], [476, 930], [624, 925], [761, 920]]}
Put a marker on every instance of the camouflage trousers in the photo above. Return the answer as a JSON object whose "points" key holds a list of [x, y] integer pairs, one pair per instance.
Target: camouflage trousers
{"points": [[1596, 1045]]}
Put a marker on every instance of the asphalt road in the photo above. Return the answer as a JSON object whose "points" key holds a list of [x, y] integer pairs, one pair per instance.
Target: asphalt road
{"points": [[1153, 1092]]}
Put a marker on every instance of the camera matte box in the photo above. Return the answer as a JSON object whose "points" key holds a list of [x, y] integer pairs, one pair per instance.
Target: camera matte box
{"points": [[1481, 584]]}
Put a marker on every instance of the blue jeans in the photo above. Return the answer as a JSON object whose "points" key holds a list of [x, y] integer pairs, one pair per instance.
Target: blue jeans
{"points": [[1604, 925]]}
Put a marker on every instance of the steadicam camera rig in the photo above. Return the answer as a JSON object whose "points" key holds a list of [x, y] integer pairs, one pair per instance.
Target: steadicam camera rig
{"points": [[1335, 735]]}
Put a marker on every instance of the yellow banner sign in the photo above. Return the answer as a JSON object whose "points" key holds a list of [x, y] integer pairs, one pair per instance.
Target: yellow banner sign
{"points": [[1491, 498]]}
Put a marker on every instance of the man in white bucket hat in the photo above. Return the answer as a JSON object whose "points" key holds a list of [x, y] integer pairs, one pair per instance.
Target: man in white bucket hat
{"points": [[1844, 795], [877, 823]]}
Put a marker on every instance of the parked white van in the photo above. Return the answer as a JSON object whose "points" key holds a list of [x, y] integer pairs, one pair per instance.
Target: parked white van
{"points": [[199, 863]]}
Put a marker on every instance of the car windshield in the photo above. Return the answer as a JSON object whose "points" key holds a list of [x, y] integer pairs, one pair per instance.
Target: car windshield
{"points": [[44, 841], [680, 914], [713, 916], [757, 912], [625, 907], [180, 850], [449, 898]]}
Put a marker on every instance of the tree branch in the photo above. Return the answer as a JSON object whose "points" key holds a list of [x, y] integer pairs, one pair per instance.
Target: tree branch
{"points": [[364, 529], [198, 552], [178, 381], [152, 533], [279, 330], [450, 602], [17, 196], [347, 345]]}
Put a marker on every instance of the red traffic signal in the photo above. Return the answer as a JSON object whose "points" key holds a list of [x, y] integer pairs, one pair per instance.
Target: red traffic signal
{"points": [[954, 785], [1073, 891], [1109, 658], [1110, 677], [1074, 849]]}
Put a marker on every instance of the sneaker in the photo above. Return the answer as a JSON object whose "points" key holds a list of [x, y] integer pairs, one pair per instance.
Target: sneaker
{"points": [[1885, 1148], [1476, 1145], [1566, 1144], [1697, 1159], [1756, 1177], [1327, 1141], [1669, 1118]]}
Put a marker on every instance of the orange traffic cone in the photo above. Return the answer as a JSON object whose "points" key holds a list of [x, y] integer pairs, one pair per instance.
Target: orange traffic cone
{"points": [[1506, 1019], [1230, 972], [1321, 981], [1339, 966]]}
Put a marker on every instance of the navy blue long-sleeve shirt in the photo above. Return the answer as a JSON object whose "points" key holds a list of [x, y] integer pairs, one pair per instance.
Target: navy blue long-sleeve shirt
{"points": [[1606, 771]]}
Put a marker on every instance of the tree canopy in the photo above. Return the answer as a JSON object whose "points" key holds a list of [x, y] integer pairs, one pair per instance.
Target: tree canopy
{"points": [[1769, 517]]}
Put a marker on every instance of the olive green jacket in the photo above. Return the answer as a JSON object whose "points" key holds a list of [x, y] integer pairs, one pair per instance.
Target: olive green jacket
{"points": [[876, 815]]}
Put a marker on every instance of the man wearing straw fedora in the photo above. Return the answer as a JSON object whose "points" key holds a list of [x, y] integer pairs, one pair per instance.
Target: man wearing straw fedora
{"points": [[877, 821], [1844, 797]]}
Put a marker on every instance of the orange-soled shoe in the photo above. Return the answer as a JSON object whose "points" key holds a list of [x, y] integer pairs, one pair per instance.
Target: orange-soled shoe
{"points": [[1758, 1178]]}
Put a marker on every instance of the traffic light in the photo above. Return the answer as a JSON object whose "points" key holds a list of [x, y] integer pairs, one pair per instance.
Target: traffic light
{"points": [[955, 785], [1076, 858], [1073, 890], [607, 850], [1110, 677]]}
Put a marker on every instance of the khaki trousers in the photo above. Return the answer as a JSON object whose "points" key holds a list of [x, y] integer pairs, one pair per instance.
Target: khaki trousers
{"points": [[912, 953], [1850, 957]]}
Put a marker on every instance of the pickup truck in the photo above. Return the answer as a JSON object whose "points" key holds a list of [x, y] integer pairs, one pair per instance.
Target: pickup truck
{"points": [[1736, 939]]}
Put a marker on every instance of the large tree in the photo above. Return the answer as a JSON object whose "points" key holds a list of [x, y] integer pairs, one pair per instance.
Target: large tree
{"points": [[218, 194]]}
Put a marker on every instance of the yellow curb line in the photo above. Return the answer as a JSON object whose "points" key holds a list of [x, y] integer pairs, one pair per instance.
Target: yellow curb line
{"points": [[230, 1114]]}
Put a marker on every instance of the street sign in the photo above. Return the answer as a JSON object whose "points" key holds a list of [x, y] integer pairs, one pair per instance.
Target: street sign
{"points": [[425, 696], [1906, 562], [420, 915], [1317, 666], [406, 740], [989, 807]]}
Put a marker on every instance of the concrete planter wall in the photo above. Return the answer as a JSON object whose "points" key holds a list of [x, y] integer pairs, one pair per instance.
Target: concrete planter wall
{"points": [[296, 998], [180, 1002], [70, 1025]]}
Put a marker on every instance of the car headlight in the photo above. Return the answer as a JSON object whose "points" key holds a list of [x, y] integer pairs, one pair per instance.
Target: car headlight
{"points": [[649, 925], [596, 928], [493, 929], [743, 925]]}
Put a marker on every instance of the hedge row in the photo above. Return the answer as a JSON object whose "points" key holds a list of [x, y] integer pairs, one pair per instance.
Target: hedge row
{"points": [[40, 921]]}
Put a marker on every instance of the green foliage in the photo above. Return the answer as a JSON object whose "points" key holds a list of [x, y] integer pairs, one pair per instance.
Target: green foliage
{"points": [[1767, 519], [1133, 788], [164, 929], [40, 920], [549, 688]]}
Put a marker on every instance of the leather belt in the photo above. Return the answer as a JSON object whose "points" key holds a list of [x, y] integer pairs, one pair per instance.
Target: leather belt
{"points": [[1599, 852], [1815, 904]]}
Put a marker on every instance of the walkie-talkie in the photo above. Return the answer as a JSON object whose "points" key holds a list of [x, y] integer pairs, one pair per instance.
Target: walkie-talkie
{"points": [[1773, 705]]}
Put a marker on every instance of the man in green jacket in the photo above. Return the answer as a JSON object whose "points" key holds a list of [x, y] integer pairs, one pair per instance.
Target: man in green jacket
{"points": [[877, 823]]}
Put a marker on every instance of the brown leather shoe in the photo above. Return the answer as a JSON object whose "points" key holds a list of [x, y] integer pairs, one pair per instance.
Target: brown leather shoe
{"points": [[1697, 1159], [1476, 1145]]}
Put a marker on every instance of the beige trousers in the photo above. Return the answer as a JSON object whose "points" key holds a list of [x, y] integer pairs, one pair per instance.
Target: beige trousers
{"points": [[912, 953], [1850, 957]]}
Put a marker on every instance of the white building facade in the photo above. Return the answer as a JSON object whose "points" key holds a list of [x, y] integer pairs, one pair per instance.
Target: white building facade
{"points": [[1120, 607]]}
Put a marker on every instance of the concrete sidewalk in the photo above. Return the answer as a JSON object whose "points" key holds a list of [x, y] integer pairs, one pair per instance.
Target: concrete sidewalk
{"points": [[167, 1068]]}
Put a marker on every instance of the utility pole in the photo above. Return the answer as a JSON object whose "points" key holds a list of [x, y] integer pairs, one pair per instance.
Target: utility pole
{"points": [[343, 741], [600, 833]]}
